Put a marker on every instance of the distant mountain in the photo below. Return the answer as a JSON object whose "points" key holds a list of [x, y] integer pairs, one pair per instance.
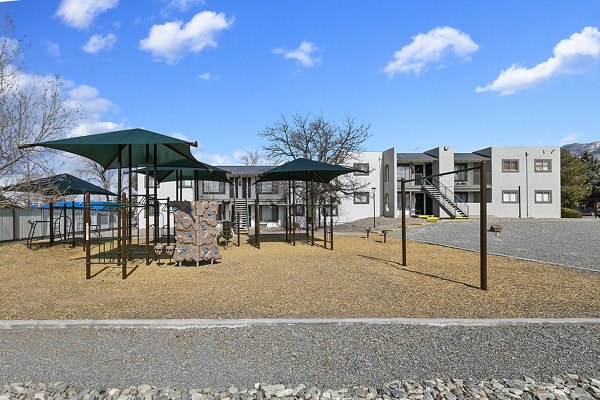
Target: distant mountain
{"points": [[577, 149]]}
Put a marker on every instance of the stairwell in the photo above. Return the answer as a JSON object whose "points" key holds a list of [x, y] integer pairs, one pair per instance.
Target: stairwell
{"points": [[241, 208], [445, 198]]}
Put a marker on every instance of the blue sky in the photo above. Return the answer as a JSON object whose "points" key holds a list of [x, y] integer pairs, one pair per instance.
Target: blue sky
{"points": [[469, 74]]}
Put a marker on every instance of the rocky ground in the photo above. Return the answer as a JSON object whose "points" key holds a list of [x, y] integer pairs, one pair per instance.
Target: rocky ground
{"points": [[565, 387]]}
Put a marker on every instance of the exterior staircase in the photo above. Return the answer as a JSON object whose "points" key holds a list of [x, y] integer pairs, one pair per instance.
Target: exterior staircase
{"points": [[445, 198], [241, 207]]}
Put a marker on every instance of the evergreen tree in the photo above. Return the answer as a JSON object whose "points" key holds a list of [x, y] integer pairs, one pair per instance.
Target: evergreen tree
{"points": [[575, 187]]}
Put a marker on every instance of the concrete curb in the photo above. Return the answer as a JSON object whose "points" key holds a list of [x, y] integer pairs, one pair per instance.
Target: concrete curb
{"points": [[241, 323]]}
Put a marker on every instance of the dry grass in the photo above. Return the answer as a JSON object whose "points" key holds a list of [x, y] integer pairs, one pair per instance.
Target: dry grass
{"points": [[360, 278]]}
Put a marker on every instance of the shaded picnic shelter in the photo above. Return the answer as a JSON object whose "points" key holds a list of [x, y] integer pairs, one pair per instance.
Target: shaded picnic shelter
{"points": [[57, 186], [128, 149], [307, 171]]}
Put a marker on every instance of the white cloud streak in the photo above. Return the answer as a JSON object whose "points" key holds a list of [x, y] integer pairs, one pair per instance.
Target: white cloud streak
{"points": [[98, 43], [430, 48], [172, 40], [571, 138], [304, 54], [52, 48], [80, 14], [570, 56]]}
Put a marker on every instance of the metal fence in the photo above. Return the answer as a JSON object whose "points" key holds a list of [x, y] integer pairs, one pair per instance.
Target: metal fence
{"points": [[16, 223]]}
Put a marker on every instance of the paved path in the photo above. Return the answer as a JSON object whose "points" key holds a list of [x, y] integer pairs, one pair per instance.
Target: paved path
{"points": [[330, 353], [567, 242]]}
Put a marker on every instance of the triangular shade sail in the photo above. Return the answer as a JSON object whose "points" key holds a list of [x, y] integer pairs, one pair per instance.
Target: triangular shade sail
{"points": [[303, 169], [189, 170], [63, 184], [104, 148]]}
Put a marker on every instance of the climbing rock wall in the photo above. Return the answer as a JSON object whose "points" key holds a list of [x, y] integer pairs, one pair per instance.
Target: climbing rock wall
{"points": [[195, 231]]}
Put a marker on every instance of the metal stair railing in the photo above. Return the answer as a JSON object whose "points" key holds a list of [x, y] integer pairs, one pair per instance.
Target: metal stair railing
{"points": [[455, 202]]}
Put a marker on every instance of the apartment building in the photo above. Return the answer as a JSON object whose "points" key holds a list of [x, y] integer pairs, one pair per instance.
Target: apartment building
{"points": [[522, 182]]}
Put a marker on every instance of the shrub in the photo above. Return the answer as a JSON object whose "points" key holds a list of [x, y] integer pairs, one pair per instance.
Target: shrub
{"points": [[569, 213]]}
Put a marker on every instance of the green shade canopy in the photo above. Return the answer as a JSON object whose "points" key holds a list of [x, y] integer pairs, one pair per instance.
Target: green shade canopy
{"points": [[302, 169], [62, 184], [104, 148], [189, 170]]}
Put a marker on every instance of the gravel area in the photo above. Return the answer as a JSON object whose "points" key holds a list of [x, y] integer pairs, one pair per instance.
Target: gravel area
{"points": [[567, 242], [569, 386], [326, 355]]}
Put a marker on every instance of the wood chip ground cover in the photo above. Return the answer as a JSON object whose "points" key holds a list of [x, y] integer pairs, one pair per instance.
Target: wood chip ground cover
{"points": [[360, 278]]}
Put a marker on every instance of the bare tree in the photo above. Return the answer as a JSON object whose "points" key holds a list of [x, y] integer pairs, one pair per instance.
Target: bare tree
{"points": [[250, 157], [316, 138], [33, 108], [96, 174]]}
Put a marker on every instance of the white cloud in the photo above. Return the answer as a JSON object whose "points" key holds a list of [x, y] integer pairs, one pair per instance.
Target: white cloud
{"points": [[81, 13], [212, 158], [303, 54], [430, 48], [207, 76], [180, 5], [89, 128], [91, 104], [571, 138], [52, 48], [570, 56], [98, 43], [172, 40]]}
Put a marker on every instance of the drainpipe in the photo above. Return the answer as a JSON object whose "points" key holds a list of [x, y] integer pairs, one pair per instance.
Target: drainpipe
{"points": [[526, 185]]}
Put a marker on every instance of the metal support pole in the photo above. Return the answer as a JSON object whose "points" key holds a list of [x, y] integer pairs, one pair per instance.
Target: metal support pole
{"points": [[482, 227], [238, 227], [120, 222], [168, 221], [156, 205], [519, 201], [288, 216], [129, 210], [65, 220], [124, 236], [403, 208], [312, 210], [331, 225], [373, 207], [306, 202], [73, 221], [293, 213], [196, 188], [147, 205], [325, 227], [86, 235], [51, 208], [257, 222]]}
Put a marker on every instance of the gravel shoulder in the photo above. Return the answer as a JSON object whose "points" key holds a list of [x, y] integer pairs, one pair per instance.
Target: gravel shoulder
{"points": [[322, 354]]}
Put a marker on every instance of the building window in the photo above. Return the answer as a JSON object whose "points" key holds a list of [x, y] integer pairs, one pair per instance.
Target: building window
{"points": [[543, 196], [386, 173], [361, 197], [386, 202], [269, 213], [210, 187], [265, 187], [363, 167], [403, 171], [510, 165], [510, 196], [463, 196], [543, 165], [462, 175], [186, 183]]}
